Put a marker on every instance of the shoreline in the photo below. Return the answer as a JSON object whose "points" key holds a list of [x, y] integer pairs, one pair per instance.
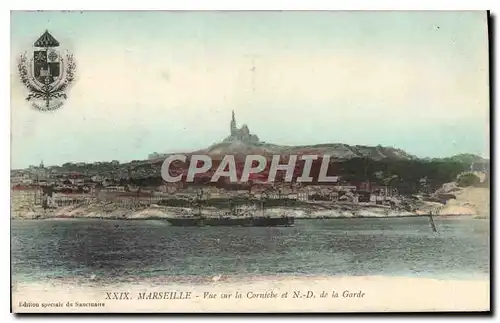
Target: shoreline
{"points": [[153, 218], [469, 201], [155, 212]]}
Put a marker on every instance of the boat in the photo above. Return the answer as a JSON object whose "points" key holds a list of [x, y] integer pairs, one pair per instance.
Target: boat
{"points": [[194, 221], [227, 221], [249, 221], [267, 221], [233, 218]]}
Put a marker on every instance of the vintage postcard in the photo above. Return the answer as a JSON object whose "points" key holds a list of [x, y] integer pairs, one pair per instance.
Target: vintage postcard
{"points": [[250, 161]]}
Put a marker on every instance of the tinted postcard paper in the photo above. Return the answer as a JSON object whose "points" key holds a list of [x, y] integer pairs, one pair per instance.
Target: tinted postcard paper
{"points": [[250, 162]]}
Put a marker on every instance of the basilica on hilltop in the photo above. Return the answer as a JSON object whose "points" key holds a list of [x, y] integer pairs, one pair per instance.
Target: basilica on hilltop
{"points": [[242, 133]]}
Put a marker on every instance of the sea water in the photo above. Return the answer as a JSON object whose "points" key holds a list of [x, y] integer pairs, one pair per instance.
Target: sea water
{"points": [[128, 251]]}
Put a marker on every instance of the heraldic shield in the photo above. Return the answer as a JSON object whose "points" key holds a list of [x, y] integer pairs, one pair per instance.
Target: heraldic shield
{"points": [[46, 66], [47, 74]]}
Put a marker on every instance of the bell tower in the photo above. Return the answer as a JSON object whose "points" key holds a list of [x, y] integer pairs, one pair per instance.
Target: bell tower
{"points": [[233, 124]]}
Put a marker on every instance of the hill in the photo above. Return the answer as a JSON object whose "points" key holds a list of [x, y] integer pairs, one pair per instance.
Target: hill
{"points": [[336, 151]]}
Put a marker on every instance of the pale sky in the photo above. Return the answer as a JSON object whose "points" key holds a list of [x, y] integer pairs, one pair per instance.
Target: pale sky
{"points": [[167, 82]]}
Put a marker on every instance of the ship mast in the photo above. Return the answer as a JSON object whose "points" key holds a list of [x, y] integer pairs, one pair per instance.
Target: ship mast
{"points": [[200, 194], [262, 206]]}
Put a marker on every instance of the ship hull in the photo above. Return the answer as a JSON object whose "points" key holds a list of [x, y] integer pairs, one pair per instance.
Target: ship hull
{"points": [[273, 221], [185, 222], [231, 222], [247, 221]]}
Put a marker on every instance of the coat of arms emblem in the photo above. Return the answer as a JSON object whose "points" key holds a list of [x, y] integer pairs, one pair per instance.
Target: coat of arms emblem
{"points": [[47, 74]]}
